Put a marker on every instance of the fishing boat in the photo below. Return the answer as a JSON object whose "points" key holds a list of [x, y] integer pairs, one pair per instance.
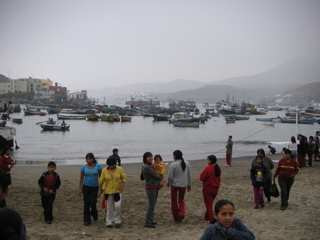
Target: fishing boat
{"points": [[92, 117], [55, 126], [268, 123], [185, 124], [17, 120], [160, 117], [236, 117], [265, 119], [31, 112], [126, 119], [299, 121], [230, 120], [71, 116]]}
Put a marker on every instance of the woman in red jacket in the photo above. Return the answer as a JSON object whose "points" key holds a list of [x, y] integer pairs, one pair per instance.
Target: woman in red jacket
{"points": [[210, 178], [287, 169]]}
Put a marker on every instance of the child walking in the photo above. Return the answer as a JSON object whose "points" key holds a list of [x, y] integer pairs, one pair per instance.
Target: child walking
{"points": [[160, 167], [258, 179], [226, 225], [49, 182]]}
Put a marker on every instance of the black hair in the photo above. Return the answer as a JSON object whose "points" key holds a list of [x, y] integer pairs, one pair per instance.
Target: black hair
{"points": [[111, 161], [115, 150], [288, 151], [145, 156], [260, 150], [230, 136], [220, 204], [311, 137], [51, 163], [259, 157], [157, 156], [5, 150], [90, 155], [10, 224], [178, 155], [293, 139], [212, 159]]}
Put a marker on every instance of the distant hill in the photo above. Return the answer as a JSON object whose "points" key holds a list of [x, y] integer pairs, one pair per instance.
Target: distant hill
{"points": [[284, 77], [3, 78]]}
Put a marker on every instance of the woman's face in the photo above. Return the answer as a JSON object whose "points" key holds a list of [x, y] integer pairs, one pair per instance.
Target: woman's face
{"points": [[89, 160], [150, 158], [225, 215]]}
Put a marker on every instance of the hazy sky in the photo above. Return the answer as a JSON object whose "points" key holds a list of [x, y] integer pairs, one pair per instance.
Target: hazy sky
{"points": [[90, 44]]}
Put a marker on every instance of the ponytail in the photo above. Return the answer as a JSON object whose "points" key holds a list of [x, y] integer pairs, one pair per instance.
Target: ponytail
{"points": [[178, 155]]}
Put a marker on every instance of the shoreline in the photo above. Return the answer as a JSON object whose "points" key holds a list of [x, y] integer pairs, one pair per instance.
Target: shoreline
{"points": [[298, 221]]}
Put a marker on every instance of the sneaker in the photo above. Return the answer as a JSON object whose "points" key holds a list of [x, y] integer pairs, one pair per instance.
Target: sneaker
{"points": [[109, 226], [117, 225]]}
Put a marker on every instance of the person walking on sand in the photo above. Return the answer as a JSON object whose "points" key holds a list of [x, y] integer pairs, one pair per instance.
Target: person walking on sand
{"points": [[49, 182], [287, 169], [152, 181], [179, 178], [268, 163], [6, 162], [229, 151], [89, 186], [257, 176], [293, 147], [210, 178], [112, 182]]}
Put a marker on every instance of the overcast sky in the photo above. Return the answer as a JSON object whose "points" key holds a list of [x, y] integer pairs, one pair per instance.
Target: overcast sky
{"points": [[90, 44]]}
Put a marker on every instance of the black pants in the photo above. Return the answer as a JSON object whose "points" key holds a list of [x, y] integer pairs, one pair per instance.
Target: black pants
{"points": [[285, 186], [90, 202], [310, 154], [47, 204]]}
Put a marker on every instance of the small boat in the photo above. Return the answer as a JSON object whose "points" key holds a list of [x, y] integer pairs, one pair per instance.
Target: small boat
{"points": [[185, 124], [71, 116], [17, 120], [265, 119], [268, 123], [230, 120], [300, 121], [160, 117], [30, 112], [126, 119], [53, 110], [92, 117], [42, 114], [55, 126]]}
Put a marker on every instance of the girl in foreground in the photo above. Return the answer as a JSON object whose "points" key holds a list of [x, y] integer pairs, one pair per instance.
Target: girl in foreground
{"points": [[226, 225]]}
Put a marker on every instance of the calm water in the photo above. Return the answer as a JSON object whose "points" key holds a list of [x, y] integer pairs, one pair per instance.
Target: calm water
{"points": [[143, 134]]}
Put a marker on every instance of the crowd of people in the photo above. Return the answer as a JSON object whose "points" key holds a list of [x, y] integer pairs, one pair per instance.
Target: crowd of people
{"points": [[110, 181]]}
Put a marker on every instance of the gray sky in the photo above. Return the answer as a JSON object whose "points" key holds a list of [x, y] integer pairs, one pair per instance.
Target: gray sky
{"points": [[90, 44]]}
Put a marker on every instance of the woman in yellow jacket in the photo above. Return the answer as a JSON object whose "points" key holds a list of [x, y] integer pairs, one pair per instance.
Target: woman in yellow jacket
{"points": [[112, 182]]}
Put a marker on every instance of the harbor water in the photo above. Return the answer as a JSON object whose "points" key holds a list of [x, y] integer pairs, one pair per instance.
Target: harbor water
{"points": [[143, 134]]}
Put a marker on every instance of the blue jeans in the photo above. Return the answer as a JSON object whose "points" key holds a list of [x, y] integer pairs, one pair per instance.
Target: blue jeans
{"points": [[90, 202]]}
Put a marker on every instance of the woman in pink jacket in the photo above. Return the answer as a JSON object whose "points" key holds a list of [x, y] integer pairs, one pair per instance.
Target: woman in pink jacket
{"points": [[210, 178]]}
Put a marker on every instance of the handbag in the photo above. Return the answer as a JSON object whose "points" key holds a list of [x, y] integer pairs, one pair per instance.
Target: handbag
{"points": [[274, 192]]}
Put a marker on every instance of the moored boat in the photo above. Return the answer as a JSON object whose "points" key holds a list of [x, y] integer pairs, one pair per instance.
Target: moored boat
{"points": [[126, 119], [17, 120], [31, 112], [71, 116], [92, 117], [160, 117]]}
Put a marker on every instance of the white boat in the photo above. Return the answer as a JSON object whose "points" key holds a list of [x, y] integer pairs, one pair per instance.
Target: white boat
{"points": [[268, 123], [71, 116]]}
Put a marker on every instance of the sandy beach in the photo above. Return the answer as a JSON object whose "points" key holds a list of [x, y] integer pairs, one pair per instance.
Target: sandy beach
{"points": [[300, 221]]}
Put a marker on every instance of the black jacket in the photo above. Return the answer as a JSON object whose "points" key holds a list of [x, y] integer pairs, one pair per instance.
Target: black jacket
{"points": [[42, 181]]}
